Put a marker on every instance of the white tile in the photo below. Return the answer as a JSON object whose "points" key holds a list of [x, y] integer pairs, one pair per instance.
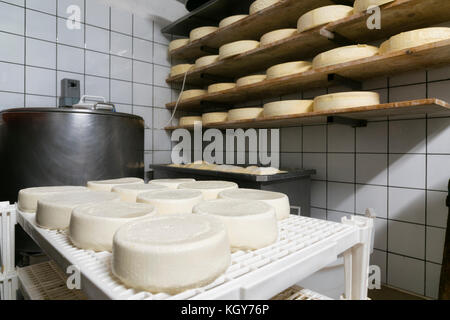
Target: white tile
{"points": [[407, 136], [372, 138], [12, 48], [142, 50], [40, 25], [291, 139], [161, 55], [312, 93], [318, 213], [41, 81], [407, 171], [341, 167], [371, 168], [440, 73], [411, 77], [407, 239], [97, 14], [143, 28], [407, 205], [10, 100], [162, 140], [121, 21], [432, 276], [438, 135], [374, 197], [73, 9], [142, 72], [161, 96], [158, 35], [406, 273], [438, 172], [67, 75], [32, 101], [319, 194], [11, 77], [314, 139], [146, 113], [162, 157], [318, 162], [336, 216], [341, 138], [437, 211], [380, 239], [375, 83], [97, 64], [70, 36], [16, 2], [121, 68], [439, 90], [160, 74], [290, 161], [48, 6], [97, 39], [378, 258], [341, 196], [142, 95], [383, 93], [95, 86], [148, 139], [70, 59], [123, 108], [121, 92], [121, 45], [41, 53], [435, 244], [12, 18], [407, 93], [148, 161], [161, 117]]}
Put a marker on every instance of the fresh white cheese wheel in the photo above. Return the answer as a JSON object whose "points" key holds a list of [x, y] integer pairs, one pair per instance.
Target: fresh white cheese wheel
{"points": [[245, 81], [92, 226], [263, 171], [28, 198], [288, 68], [178, 43], [129, 192], [201, 32], [189, 94], [171, 183], [259, 5], [180, 69], [363, 5], [209, 189], [53, 211], [217, 87], [287, 107], [171, 253], [244, 114], [344, 54], [279, 201], [229, 168], [250, 225], [236, 48], [107, 185], [414, 38], [214, 117], [322, 15], [172, 201], [344, 100], [276, 35], [189, 121], [206, 61], [230, 20]]}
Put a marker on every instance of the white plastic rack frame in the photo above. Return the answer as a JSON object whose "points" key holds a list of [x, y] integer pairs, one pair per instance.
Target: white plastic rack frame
{"points": [[305, 246], [8, 276]]}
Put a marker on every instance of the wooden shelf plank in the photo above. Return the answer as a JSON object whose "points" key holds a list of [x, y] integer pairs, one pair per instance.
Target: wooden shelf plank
{"points": [[375, 112], [420, 57]]}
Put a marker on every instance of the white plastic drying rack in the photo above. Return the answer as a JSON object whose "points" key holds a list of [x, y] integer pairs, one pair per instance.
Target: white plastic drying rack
{"points": [[305, 246]]}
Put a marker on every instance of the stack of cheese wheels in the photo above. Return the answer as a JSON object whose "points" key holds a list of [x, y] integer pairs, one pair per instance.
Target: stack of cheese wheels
{"points": [[244, 114], [217, 87], [287, 107], [278, 200], [414, 38], [276, 35], [171, 183], [189, 94], [344, 100], [235, 48], [53, 211], [250, 224], [344, 54], [201, 32], [190, 121], [129, 192], [206, 61], [178, 43], [92, 226], [322, 15], [259, 5], [214, 117], [107, 185], [171, 253], [28, 198], [230, 20], [180, 69], [247, 80], [172, 201], [363, 5], [209, 189], [288, 68]]}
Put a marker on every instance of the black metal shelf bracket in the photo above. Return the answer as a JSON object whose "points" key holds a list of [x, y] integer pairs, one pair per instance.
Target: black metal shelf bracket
{"points": [[215, 78], [334, 78], [355, 123], [209, 50], [336, 37]]}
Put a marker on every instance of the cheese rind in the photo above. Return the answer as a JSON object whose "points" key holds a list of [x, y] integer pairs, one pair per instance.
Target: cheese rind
{"points": [[209, 189], [276, 35], [259, 5], [288, 68], [171, 183], [230, 20], [344, 54], [250, 225], [178, 43], [206, 61], [189, 94], [322, 15], [279, 201], [287, 107], [247, 80], [363, 5], [107, 185], [344, 100], [217, 87], [180, 69], [244, 114], [92, 226], [236, 48], [201, 32], [171, 201], [129, 192], [214, 117], [189, 121], [170, 253]]}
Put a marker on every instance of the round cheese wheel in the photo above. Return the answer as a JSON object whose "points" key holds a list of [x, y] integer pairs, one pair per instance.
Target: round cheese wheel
{"points": [[244, 81], [178, 43], [189, 121], [107, 185], [288, 68], [171, 183], [230, 20], [180, 69], [322, 15], [172, 201], [201, 32], [214, 117], [217, 87], [236, 48], [171, 253], [189, 94], [206, 61], [279, 201], [209, 189], [287, 107], [259, 5], [92, 226], [343, 100], [53, 211], [129, 192], [276, 35], [363, 5], [28, 198], [250, 224], [414, 38], [244, 114], [344, 54]]}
